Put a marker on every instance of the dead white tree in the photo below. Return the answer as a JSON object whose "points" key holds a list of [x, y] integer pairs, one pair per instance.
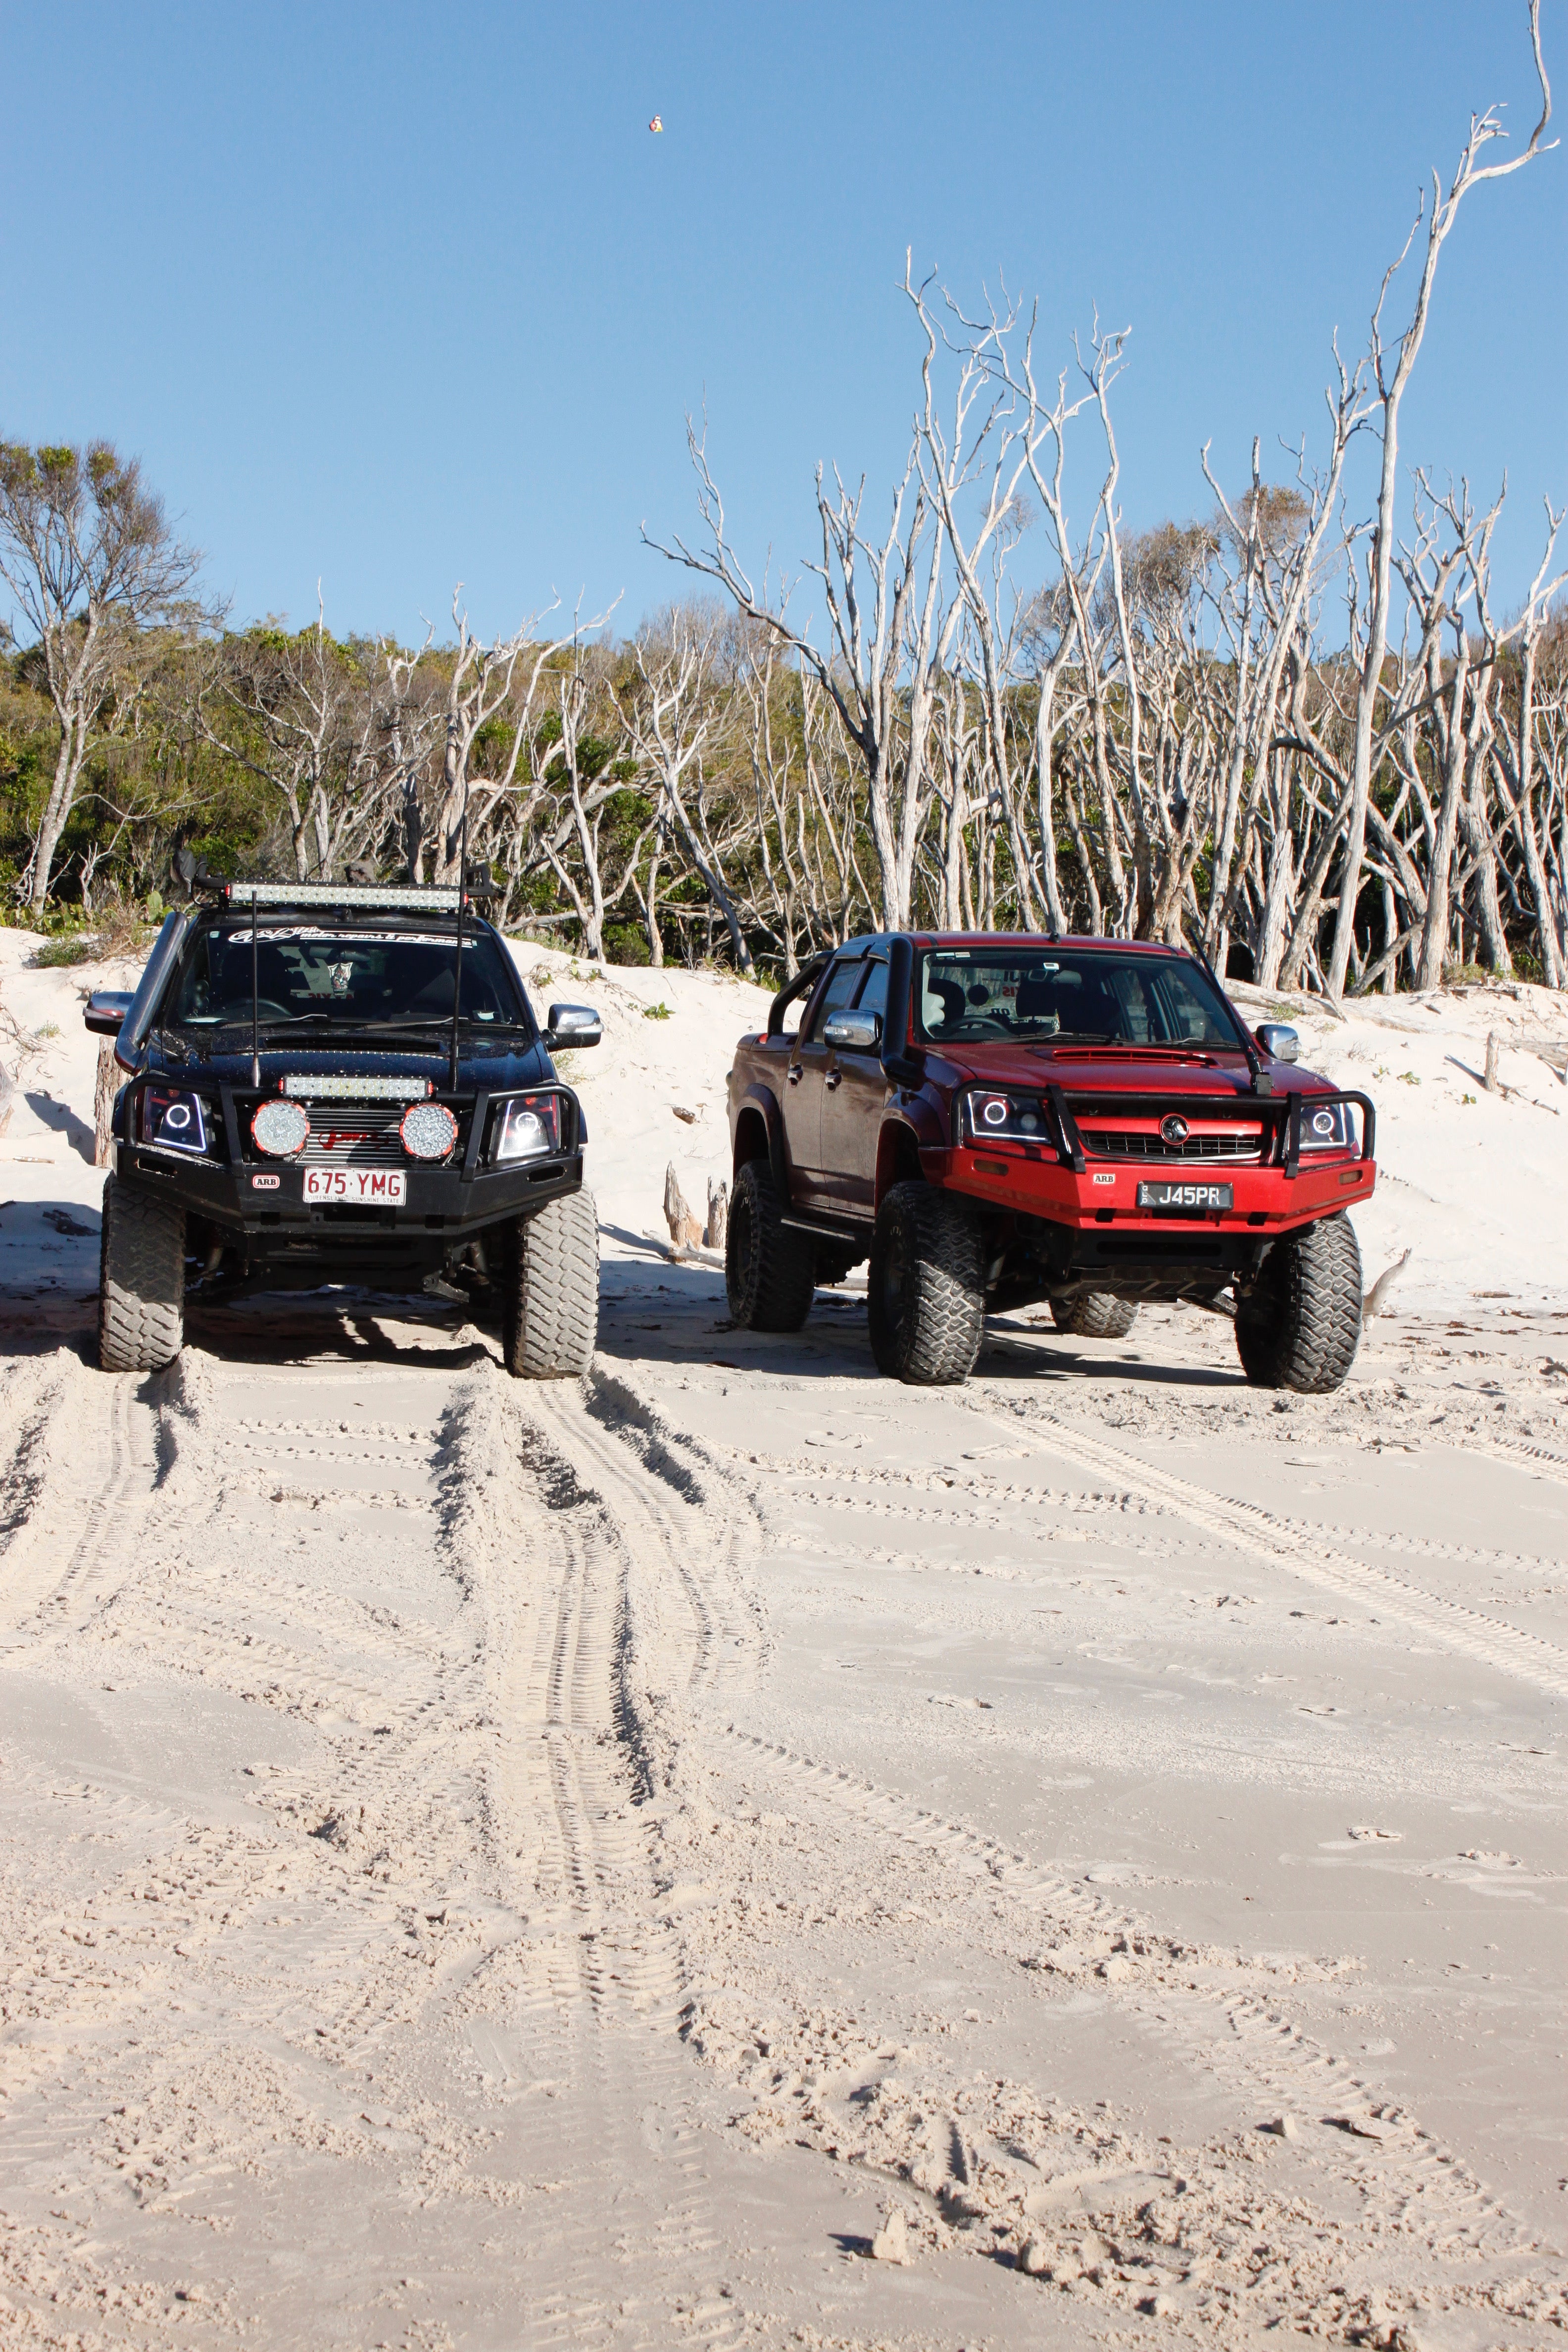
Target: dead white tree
{"points": [[92, 564], [1515, 768], [879, 593], [670, 720], [985, 448], [779, 901], [479, 683], [410, 718], [1392, 366], [298, 712]]}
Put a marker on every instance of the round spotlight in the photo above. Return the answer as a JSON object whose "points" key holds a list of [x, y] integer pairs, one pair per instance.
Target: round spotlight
{"points": [[279, 1127], [428, 1131]]}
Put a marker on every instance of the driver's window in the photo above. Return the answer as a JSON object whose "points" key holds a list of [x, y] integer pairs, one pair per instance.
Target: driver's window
{"points": [[1185, 1014], [873, 997], [842, 982], [1140, 1007]]}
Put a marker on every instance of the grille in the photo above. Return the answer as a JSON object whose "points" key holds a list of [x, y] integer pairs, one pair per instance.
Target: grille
{"points": [[342, 1135], [1134, 1143]]}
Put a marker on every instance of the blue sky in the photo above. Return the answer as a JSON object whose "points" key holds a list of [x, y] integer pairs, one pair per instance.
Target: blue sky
{"points": [[401, 295]]}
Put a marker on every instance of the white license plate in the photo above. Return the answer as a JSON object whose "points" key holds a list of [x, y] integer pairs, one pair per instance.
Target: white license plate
{"points": [[1185, 1199], [362, 1188]]}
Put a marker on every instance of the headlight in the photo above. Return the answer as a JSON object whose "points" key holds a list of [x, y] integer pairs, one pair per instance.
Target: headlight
{"points": [[1330, 1127], [279, 1127], [174, 1120], [526, 1127], [996, 1118], [428, 1131]]}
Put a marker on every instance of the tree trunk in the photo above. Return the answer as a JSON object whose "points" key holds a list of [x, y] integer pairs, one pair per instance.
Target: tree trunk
{"points": [[57, 808], [107, 1086]]}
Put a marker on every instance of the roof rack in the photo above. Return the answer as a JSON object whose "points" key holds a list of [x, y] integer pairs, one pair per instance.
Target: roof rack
{"points": [[444, 901]]}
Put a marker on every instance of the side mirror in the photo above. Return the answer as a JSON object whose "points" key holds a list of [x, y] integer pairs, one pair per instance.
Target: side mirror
{"points": [[853, 1033], [1279, 1041], [105, 1011], [573, 1025]]}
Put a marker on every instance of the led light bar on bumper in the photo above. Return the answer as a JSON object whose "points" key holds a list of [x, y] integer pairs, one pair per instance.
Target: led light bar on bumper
{"points": [[174, 1119], [987, 1115], [525, 1126]]}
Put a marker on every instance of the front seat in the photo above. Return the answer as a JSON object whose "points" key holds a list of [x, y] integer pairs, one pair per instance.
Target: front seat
{"points": [[949, 996]]}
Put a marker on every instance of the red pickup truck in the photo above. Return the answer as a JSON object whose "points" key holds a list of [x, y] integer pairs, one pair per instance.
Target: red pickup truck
{"points": [[995, 1119]]}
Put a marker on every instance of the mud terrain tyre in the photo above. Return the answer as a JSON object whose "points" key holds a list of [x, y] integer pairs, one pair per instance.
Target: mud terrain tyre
{"points": [[926, 1286], [1095, 1315], [141, 1280], [550, 1304], [770, 1272], [1301, 1325]]}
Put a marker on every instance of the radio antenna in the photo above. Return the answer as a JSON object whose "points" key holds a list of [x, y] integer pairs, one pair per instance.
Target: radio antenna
{"points": [[255, 1006], [458, 969]]}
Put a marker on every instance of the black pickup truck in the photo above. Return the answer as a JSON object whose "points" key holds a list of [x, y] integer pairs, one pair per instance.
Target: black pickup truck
{"points": [[328, 1083]]}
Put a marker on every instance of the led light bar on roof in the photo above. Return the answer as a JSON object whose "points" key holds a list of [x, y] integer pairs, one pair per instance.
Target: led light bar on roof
{"points": [[306, 1086], [341, 894]]}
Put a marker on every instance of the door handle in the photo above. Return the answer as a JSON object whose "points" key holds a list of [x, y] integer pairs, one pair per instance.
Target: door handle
{"points": [[833, 1079], [795, 1073]]}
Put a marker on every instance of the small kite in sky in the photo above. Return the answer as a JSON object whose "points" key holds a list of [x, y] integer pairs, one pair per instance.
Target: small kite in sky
{"points": [[657, 122]]}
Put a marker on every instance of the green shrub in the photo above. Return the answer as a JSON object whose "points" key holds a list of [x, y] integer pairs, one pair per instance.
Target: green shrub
{"points": [[625, 943], [69, 947]]}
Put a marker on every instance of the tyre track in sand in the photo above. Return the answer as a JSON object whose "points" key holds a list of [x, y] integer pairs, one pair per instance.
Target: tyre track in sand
{"points": [[469, 1802], [81, 1418], [603, 1980], [481, 1849], [1278, 1542], [1228, 2019], [1223, 2011]]}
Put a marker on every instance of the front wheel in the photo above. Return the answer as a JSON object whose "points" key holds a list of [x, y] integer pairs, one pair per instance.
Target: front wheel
{"points": [[551, 1302], [926, 1288], [1298, 1326], [141, 1280]]}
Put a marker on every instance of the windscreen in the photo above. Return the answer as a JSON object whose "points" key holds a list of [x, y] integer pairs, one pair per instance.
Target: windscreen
{"points": [[351, 979], [1085, 997]]}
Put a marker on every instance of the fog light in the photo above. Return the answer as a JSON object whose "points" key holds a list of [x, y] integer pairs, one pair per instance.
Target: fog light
{"points": [[428, 1131], [279, 1127]]}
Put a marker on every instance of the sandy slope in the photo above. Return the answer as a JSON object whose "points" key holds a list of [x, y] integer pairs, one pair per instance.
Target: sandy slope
{"points": [[498, 1866]]}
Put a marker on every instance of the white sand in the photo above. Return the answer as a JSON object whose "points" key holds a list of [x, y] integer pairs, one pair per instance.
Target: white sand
{"points": [[492, 1866]]}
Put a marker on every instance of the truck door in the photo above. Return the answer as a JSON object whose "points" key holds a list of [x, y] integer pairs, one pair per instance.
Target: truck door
{"points": [[802, 1105], [854, 1093]]}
